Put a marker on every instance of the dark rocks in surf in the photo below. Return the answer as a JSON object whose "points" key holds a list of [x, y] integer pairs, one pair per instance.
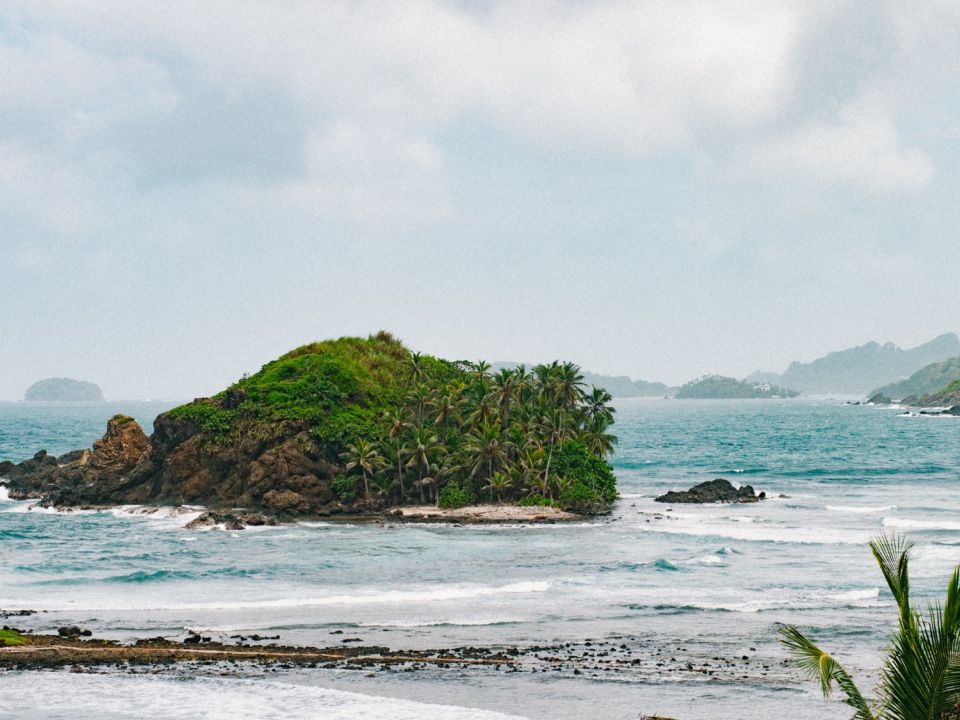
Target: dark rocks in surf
{"points": [[953, 411], [879, 399], [230, 521], [713, 491]]}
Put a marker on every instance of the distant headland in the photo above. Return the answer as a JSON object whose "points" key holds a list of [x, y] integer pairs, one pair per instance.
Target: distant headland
{"points": [[63, 390]]}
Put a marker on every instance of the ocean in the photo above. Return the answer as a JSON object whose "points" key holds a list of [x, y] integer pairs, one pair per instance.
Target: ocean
{"points": [[688, 597]]}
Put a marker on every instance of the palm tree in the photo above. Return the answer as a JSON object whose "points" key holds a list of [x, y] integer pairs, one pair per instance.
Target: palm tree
{"points": [[597, 405], [569, 392], [485, 448], [504, 391], [364, 455], [425, 447], [921, 677], [498, 483], [445, 408], [418, 367], [481, 369], [596, 437], [395, 430]]}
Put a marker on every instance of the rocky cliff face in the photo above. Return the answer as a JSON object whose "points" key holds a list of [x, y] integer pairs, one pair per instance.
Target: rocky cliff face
{"points": [[284, 477]]}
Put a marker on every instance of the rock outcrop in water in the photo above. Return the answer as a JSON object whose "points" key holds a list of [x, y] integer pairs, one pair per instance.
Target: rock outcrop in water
{"points": [[84, 476], [713, 491], [176, 467]]}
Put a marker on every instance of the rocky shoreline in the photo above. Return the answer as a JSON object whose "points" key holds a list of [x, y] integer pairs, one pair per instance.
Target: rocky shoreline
{"points": [[621, 657]]}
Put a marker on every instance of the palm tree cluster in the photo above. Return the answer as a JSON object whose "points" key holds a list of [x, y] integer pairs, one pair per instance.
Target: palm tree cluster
{"points": [[921, 675], [493, 436]]}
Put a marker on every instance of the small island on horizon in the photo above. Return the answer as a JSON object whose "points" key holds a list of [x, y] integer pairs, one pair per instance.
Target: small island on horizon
{"points": [[718, 387], [63, 390], [353, 427]]}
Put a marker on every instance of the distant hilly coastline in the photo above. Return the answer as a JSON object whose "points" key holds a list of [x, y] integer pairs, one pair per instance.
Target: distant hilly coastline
{"points": [[862, 369], [63, 390], [929, 380]]}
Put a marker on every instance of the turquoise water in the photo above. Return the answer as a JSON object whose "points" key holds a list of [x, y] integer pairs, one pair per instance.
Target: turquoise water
{"points": [[696, 582]]}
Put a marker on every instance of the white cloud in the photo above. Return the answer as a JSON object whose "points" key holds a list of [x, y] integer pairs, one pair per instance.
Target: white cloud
{"points": [[850, 153]]}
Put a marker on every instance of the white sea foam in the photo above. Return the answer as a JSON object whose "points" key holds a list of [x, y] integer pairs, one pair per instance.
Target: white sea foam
{"points": [[707, 526], [855, 596], [64, 694], [442, 593], [28, 507], [860, 509], [4, 493], [907, 524], [772, 599]]}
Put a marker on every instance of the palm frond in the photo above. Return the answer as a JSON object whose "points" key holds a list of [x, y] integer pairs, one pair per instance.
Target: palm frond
{"points": [[822, 667], [892, 555]]}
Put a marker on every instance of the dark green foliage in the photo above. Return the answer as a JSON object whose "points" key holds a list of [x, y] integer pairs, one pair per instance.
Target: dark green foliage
{"points": [[453, 496], [535, 500], [406, 427], [586, 479], [122, 420], [345, 487], [206, 415], [720, 387]]}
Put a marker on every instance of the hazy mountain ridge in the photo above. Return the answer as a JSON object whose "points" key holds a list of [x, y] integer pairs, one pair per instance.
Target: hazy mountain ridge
{"points": [[860, 369]]}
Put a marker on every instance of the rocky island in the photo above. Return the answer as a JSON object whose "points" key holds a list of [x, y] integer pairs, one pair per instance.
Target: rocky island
{"points": [[351, 427], [63, 390]]}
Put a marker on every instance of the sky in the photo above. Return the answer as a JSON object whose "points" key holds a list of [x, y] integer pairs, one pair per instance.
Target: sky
{"points": [[656, 189]]}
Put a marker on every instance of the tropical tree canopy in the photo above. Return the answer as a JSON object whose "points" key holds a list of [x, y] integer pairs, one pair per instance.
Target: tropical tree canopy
{"points": [[535, 436]]}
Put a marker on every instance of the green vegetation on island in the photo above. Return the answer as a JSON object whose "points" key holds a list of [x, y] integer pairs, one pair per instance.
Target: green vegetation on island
{"points": [[406, 427], [63, 390], [718, 387], [921, 675]]}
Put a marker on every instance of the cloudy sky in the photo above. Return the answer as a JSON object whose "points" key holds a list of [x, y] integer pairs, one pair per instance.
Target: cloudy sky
{"points": [[659, 189]]}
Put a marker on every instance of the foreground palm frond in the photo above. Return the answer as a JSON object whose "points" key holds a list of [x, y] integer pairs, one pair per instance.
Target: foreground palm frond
{"points": [[921, 675]]}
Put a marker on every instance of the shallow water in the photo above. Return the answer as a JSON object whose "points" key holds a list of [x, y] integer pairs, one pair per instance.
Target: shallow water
{"points": [[697, 582]]}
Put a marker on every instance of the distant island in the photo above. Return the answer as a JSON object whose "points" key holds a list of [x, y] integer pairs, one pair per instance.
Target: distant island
{"points": [[63, 390], [859, 370], [353, 426], [718, 387]]}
